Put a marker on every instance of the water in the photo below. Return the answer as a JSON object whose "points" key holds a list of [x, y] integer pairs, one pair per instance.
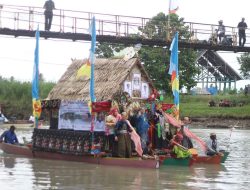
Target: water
{"points": [[22, 173]]}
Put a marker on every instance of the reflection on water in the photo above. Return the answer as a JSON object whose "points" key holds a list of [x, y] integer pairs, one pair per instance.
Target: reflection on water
{"points": [[22, 173]]}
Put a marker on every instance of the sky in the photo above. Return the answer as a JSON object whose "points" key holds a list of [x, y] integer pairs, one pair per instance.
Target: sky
{"points": [[17, 54]]}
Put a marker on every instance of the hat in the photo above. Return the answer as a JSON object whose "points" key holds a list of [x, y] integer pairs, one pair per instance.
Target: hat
{"points": [[212, 134], [220, 21]]}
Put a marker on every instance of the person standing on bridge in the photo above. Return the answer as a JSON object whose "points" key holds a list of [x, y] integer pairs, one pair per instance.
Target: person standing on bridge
{"points": [[242, 34], [221, 30], [48, 6]]}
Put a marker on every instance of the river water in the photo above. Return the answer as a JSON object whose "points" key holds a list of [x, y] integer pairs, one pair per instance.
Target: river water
{"points": [[17, 172]]}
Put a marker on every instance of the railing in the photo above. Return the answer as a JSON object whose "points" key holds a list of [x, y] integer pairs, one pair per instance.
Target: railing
{"points": [[68, 21]]}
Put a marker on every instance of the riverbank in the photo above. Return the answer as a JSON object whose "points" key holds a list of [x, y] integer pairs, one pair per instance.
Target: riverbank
{"points": [[213, 122]]}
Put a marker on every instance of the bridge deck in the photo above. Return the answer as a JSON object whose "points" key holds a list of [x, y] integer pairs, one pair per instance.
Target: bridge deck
{"points": [[73, 25]]}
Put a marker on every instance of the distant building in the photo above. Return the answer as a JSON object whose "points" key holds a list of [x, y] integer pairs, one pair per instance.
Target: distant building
{"points": [[200, 91]]}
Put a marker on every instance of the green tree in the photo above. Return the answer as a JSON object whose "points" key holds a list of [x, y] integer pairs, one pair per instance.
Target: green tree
{"points": [[156, 59], [244, 61], [15, 97]]}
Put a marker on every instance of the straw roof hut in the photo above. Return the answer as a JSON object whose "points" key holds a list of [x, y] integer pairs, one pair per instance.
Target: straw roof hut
{"points": [[111, 76]]}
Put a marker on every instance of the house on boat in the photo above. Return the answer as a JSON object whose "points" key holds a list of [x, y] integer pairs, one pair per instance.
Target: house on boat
{"points": [[113, 77]]}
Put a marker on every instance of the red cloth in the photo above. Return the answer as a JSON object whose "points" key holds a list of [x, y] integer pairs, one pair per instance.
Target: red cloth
{"points": [[166, 106], [137, 141], [101, 106], [113, 110], [172, 120], [178, 137], [193, 136]]}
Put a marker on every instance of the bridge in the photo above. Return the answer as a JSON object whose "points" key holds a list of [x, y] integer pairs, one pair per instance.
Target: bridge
{"points": [[67, 24]]}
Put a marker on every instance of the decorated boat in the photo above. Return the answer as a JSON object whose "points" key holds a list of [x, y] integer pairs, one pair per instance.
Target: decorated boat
{"points": [[28, 151], [78, 114], [171, 161], [216, 159]]}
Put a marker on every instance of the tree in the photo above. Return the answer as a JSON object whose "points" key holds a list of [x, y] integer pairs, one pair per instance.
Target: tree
{"points": [[156, 59], [16, 98], [244, 61]]}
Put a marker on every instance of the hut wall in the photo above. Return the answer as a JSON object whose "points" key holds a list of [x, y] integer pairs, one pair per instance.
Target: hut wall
{"points": [[136, 84]]}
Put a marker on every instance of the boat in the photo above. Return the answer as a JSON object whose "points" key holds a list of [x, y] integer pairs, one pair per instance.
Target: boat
{"points": [[171, 161], [27, 151], [216, 159]]}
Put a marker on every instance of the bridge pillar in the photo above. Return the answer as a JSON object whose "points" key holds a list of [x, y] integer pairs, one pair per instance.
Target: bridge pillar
{"points": [[1, 7], [235, 84], [225, 84], [216, 83], [220, 84]]}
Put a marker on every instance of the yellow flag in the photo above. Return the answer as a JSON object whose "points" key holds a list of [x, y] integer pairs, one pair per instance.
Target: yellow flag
{"points": [[84, 70]]}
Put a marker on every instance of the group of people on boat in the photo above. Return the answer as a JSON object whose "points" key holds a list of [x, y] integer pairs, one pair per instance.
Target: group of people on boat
{"points": [[154, 133], [142, 134]]}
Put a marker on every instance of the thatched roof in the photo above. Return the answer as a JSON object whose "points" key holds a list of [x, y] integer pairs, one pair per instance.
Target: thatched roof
{"points": [[109, 76]]}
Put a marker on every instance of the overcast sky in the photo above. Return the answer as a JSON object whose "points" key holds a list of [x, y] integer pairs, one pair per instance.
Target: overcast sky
{"points": [[17, 54]]}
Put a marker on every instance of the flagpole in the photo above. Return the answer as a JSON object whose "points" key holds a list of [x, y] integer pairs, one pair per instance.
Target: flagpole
{"points": [[168, 21]]}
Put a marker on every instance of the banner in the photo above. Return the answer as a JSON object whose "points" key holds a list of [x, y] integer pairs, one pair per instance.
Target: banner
{"points": [[74, 115]]}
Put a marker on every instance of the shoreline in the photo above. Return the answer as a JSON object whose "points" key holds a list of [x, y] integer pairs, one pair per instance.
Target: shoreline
{"points": [[213, 122]]}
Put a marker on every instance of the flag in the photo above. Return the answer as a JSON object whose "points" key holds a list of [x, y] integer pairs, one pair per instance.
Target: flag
{"points": [[137, 141], [84, 70], [35, 82], [92, 31], [173, 6], [171, 120], [202, 144], [174, 72]]}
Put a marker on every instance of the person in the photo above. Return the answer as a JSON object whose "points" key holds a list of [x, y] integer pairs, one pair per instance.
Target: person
{"points": [[221, 30], [179, 151], [211, 103], [9, 136], [148, 152], [49, 6], [142, 126], [242, 35], [213, 37], [122, 130], [111, 121], [186, 141], [186, 122], [212, 145]]}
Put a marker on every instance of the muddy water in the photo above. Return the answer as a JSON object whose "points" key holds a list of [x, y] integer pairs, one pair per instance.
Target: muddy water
{"points": [[22, 173]]}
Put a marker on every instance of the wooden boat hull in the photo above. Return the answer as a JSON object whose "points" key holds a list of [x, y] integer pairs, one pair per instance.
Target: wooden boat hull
{"points": [[216, 159], [111, 161], [169, 161]]}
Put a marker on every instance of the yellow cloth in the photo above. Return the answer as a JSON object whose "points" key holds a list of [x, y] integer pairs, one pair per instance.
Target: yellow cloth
{"points": [[180, 153]]}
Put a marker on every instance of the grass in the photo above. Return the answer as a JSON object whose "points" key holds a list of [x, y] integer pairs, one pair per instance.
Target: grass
{"points": [[197, 106]]}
